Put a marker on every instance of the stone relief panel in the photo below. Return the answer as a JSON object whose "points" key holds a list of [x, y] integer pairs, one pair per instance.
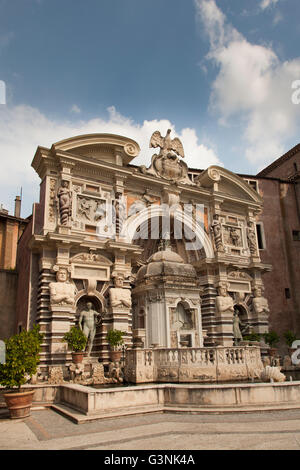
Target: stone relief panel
{"points": [[91, 207], [232, 236], [90, 210], [229, 235]]}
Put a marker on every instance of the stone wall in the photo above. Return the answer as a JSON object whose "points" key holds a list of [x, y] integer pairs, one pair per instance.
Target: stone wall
{"points": [[193, 364], [279, 219], [8, 291]]}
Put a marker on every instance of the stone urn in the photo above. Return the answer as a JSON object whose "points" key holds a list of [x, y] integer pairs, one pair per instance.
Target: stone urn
{"points": [[19, 403]]}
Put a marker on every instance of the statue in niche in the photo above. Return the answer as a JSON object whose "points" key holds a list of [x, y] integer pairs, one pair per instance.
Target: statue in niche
{"points": [[260, 303], [251, 238], [183, 320], [89, 319], [64, 197], [224, 303], [238, 327], [119, 214], [119, 297], [217, 233], [62, 292]]}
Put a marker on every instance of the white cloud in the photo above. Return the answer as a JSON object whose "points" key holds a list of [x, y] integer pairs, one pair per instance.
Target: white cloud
{"points": [[267, 3], [252, 86], [23, 128]]}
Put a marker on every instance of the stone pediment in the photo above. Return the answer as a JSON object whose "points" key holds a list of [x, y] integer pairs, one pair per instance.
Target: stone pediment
{"points": [[228, 184], [105, 147]]}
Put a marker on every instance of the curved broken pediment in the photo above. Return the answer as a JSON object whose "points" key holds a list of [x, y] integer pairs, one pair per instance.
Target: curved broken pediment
{"points": [[227, 183], [105, 147]]}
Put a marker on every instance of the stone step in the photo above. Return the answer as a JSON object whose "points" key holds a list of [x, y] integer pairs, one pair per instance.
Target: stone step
{"points": [[79, 418]]}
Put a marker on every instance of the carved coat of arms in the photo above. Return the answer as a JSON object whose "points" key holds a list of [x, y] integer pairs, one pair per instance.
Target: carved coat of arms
{"points": [[167, 163]]}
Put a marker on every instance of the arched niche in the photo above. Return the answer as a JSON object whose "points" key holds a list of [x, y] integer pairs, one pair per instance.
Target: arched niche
{"points": [[82, 301], [243, 316], [146, 225]]}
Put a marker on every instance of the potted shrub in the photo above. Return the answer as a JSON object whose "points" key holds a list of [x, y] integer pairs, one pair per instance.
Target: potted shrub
{"points": [[272, 339], [290, 337], [76, 340], [21, 361], [115, 339], [253, 338]]}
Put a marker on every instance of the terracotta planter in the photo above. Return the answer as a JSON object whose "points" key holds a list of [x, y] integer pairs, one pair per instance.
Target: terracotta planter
{"points": [[77, 357], [115, 356], [19, 403]]}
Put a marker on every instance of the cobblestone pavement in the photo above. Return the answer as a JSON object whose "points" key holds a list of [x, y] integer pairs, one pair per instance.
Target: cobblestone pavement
{"points": [[47, 430]]}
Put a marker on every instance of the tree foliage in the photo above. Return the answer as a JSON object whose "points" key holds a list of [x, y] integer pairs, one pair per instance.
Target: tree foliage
{"points": [[76, 339], [115, 338], [271, 338], [22, 357]]}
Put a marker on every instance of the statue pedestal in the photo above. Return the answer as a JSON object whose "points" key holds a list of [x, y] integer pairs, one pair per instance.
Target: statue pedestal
{"points": [[119, 318], [64, 229]]}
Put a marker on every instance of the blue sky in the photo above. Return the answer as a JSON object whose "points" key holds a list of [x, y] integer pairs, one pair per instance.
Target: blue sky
{"points": [[218, 72]]}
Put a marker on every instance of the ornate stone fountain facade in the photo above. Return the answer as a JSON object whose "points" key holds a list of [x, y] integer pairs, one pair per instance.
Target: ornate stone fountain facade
{"points": [[96, 236]]}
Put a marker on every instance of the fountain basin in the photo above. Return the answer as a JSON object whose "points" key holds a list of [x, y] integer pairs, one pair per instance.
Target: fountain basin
{"points": [[82, 403], [90, 403]]}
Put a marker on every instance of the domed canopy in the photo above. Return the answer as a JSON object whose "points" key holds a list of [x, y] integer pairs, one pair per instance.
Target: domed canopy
{"points": [[165, 262]]}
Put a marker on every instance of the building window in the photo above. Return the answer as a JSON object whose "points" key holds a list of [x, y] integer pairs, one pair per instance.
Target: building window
{"points": [[253, 184], [287, 293], [295, 166], [260, 236], [296, 235]]}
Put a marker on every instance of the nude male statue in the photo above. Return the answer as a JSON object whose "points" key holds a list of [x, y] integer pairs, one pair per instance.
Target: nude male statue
{"points": [[88, 321]]}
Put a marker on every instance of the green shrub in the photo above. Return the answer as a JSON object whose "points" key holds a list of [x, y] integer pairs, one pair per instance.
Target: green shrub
{"points": [[289, 337], [22, 357], [252, 337], [76, 339], [115, 338], [271, 338]]}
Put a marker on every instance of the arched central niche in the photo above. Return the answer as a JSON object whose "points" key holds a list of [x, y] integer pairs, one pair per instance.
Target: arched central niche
{"points": [[150, 225], [189, 241], [82, 301]]}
